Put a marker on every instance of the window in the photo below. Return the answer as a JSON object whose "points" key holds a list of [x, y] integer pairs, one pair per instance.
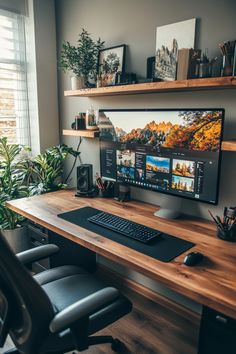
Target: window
{"points": [[14, 115]]}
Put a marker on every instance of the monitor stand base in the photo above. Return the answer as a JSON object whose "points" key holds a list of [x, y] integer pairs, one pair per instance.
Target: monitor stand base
{"points": [[167, 213], [170, 209]]}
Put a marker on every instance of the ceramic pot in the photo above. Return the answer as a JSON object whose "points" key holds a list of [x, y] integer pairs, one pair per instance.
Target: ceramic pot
{"points": [[78, 83], [17, 238]]}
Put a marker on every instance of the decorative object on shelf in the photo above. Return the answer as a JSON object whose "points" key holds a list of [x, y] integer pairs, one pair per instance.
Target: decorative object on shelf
{"points": [[187, 63], [204, 65], [80, 121], [228, 51], [78, 83], [81, 60], [125, 78], [150, 67], [91, 119], [111, 61], [169, 39]]}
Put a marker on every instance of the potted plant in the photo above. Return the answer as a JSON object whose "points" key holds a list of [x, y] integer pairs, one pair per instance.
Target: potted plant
{"points": [[82, 59], [44, 172], [21, 176], [12, 187]]}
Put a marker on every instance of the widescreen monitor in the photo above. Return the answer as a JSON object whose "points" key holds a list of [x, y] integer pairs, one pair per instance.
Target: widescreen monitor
{"points": [[173, 151]]}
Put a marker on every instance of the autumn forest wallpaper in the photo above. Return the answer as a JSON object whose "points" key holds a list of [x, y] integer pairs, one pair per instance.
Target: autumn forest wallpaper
{"points": [[199, 130]]}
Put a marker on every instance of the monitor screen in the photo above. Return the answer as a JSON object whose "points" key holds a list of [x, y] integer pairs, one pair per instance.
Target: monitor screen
{"points": [[174, 151]]}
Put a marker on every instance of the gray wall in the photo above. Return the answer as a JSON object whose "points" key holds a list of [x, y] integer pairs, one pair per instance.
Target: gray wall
{"points": [[134, 23], [46, 66]]}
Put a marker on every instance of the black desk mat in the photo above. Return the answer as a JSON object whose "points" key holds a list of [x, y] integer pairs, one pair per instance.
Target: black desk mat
{"points": [[164, 248]]}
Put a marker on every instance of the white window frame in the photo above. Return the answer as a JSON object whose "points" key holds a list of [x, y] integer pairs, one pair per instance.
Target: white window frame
{"points": [[19, 83]]}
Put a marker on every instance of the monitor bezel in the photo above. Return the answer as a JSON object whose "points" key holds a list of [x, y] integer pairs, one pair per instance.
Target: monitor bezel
{"points": [[171, 110]]}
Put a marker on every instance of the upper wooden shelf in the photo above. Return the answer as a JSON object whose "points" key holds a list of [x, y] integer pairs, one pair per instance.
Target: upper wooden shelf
{"points": [[83, 133], [152, 87]]}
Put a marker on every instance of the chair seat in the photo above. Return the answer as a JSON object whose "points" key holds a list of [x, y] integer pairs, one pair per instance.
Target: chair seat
{"points": [[67, 284], [32, 308]]}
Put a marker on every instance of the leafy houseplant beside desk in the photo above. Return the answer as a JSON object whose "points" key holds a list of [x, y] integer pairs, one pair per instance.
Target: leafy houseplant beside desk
{"points": [[212, 283]]}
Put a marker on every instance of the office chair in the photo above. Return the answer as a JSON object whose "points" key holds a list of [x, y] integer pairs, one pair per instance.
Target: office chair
{"points": [[55, 311]]}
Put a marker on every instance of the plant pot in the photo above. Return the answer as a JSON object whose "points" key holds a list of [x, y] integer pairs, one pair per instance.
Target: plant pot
{"points": [[17, 238], [78, 83]]}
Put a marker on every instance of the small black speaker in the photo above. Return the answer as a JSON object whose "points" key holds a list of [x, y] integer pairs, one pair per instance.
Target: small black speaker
{"points": [[85, 177]]}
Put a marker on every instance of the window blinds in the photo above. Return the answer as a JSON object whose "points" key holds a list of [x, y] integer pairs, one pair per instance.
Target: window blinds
{"points": [[14, 115]]}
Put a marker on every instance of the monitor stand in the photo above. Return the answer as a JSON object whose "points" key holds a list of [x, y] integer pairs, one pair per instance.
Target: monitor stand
{"points": [[170, 208]]}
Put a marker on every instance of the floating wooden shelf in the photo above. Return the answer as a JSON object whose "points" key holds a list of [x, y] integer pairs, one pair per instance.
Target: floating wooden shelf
{"points": [[155, 87], [83, 133], [229, 145]]}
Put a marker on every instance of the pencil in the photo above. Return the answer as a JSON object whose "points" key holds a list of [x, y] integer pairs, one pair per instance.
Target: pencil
{"points": [[212, 216], [217, 223]]}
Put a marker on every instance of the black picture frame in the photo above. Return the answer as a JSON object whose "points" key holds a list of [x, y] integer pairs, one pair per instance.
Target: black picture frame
{"points": [[107, 69]]}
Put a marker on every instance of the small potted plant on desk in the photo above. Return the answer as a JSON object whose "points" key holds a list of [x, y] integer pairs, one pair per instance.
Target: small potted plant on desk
{"points": [[22, 176], [82, 60]]}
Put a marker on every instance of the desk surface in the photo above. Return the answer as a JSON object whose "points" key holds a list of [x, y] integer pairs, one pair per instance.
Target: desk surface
{"points": [[211, 283]]}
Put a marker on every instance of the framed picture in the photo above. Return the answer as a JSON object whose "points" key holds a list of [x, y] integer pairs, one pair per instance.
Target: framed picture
{"points": [[111, 61], [169, 39]]}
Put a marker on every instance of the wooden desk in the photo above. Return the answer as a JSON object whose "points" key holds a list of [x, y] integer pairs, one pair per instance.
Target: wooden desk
{"points": [[211, 283]]}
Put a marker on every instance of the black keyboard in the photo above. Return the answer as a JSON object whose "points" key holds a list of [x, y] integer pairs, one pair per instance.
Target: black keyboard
{"points": [[125, 227]]}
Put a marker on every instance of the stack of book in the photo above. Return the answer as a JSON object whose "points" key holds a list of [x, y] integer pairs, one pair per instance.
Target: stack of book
{"points": [[186, 64]]}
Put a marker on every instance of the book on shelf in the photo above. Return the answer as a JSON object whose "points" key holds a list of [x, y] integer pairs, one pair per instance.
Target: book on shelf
{"points": [[186, 63]]}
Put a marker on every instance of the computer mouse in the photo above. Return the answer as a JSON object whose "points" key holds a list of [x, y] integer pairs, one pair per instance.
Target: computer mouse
{"points": [[193, 258]]}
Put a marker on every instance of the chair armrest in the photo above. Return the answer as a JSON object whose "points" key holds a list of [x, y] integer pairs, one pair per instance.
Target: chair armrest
{"points": [[83, 308], [37, 253]]}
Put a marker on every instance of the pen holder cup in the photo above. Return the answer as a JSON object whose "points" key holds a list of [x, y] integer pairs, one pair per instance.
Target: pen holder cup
{"points": [[203, 70], [227, 234], [107, 193], [227, 65]]}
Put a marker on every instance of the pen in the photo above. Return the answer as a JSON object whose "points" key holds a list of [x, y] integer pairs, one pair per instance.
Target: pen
{"points": [[212, 216], [219, 224], [225, 213], [219, 220]]}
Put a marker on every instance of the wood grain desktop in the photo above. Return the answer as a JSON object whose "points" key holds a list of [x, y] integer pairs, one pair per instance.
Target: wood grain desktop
{"points": [[211, 283]]}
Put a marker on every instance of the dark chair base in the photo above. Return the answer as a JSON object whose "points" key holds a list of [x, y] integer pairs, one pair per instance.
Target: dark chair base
{"points": [[116, 344]]}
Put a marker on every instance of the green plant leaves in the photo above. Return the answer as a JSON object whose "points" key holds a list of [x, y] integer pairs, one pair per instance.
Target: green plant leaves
{"points": [[22, 176], [82, 60]]}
